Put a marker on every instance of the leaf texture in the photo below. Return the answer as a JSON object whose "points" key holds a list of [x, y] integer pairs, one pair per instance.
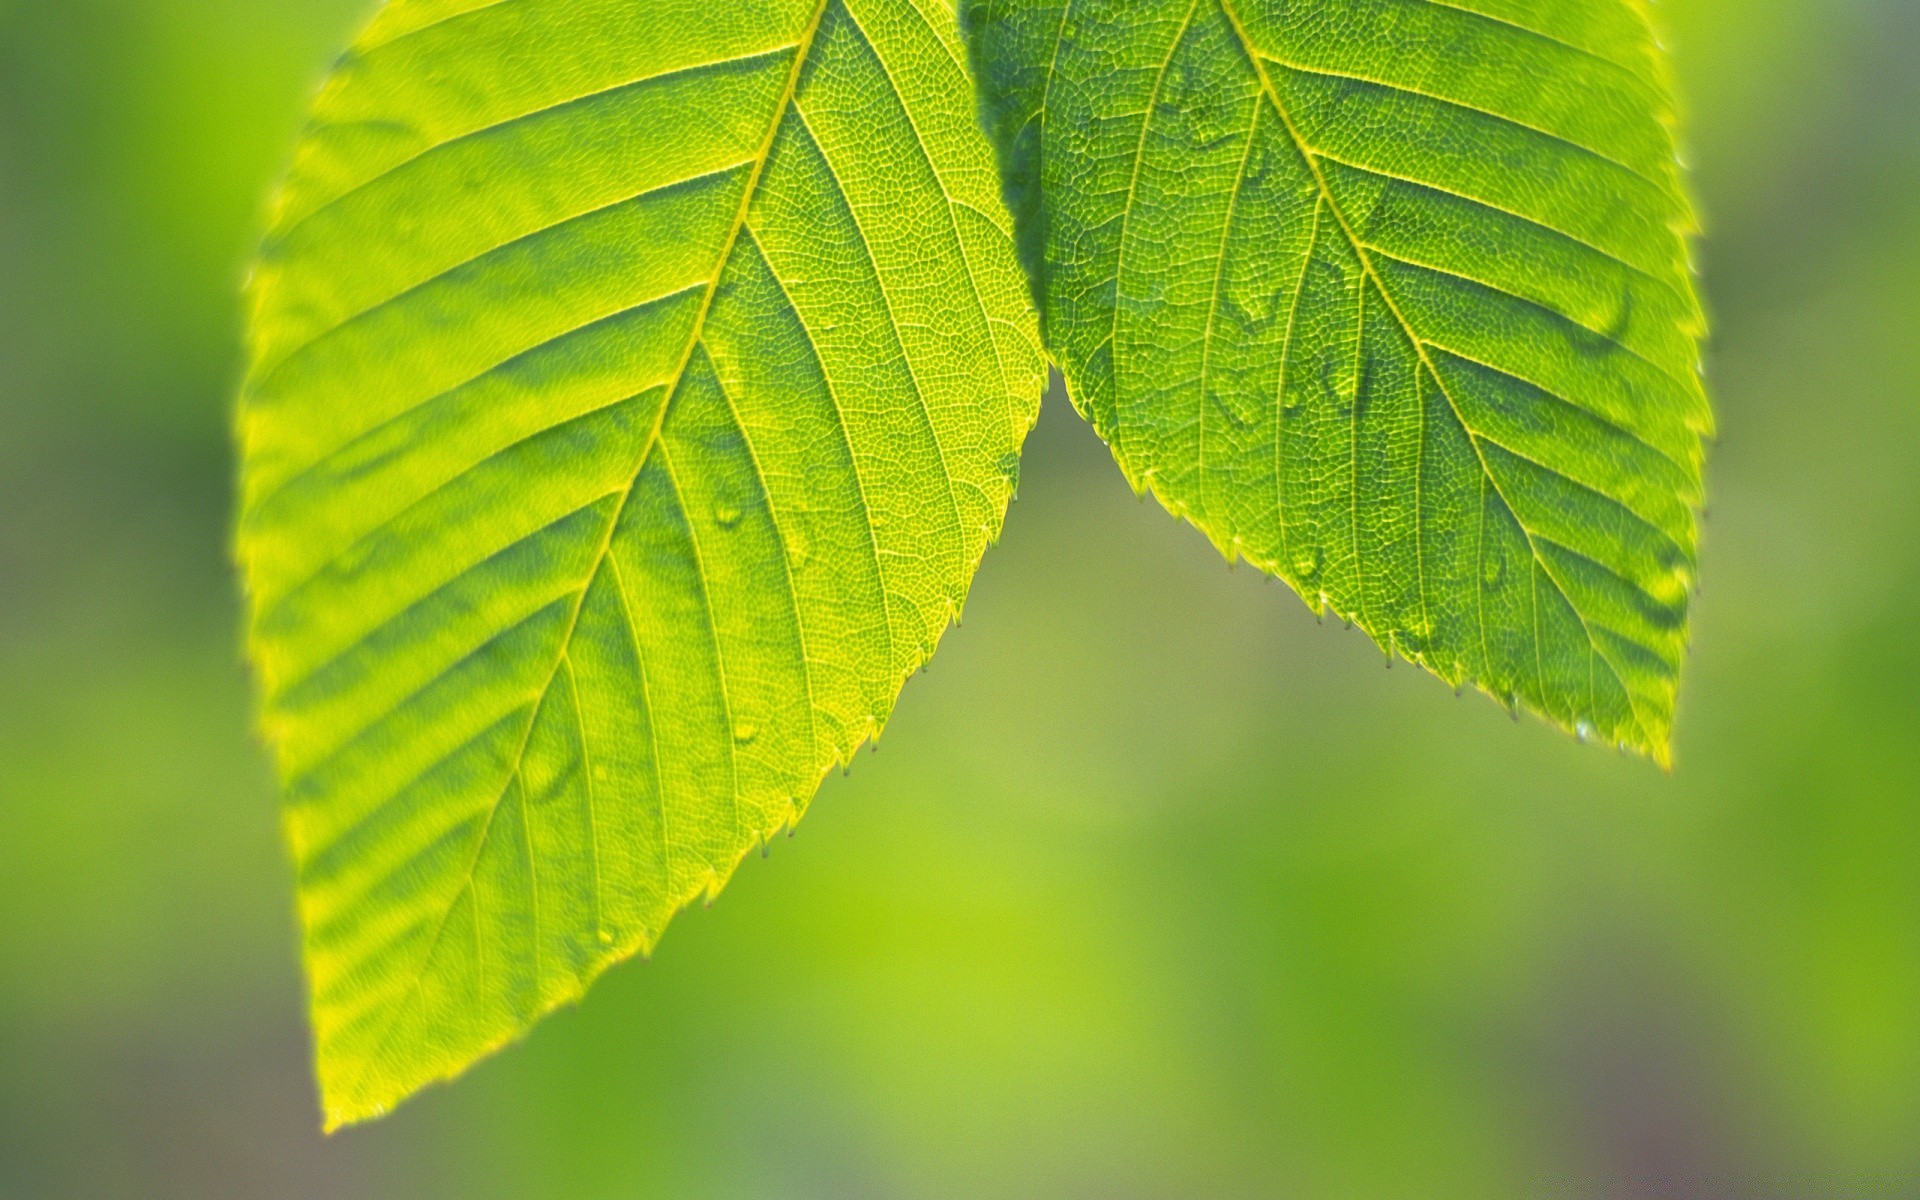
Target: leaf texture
{"points": [[634, 389], [1392, 299]]}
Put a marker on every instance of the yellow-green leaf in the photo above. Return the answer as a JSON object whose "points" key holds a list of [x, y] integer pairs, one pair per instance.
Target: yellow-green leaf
{"points": [[634, 388], [1392, 299]]}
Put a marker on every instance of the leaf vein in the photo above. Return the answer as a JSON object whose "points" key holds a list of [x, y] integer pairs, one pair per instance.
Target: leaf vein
{"points": [[1422, 94], [263, 376], [508, 122], [728, 736]]}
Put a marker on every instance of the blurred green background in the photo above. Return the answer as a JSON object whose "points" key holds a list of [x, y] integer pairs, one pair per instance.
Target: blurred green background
{"points": [[1158, 888]]}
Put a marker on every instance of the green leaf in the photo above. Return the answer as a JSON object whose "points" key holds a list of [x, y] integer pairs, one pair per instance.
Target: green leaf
{"points": [[634, 390], [1391, 298]]}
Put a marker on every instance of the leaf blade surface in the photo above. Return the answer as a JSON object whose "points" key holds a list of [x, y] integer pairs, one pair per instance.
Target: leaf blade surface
{"points": [[634, 390], [1391, 298]]}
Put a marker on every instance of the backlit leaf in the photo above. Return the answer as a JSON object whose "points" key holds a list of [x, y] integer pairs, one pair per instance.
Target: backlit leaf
{"points": [[634, 388], [1392, 299]]}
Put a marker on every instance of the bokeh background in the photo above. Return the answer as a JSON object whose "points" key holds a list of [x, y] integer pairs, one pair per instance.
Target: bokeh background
{"points": [[1157, 888]]}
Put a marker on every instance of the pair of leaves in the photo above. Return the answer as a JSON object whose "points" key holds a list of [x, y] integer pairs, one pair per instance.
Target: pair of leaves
{"points": [[635, 387]]}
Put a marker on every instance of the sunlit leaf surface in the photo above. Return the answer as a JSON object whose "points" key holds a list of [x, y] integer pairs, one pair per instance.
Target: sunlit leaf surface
{"points": [[634, 389], [1392, 299]]}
